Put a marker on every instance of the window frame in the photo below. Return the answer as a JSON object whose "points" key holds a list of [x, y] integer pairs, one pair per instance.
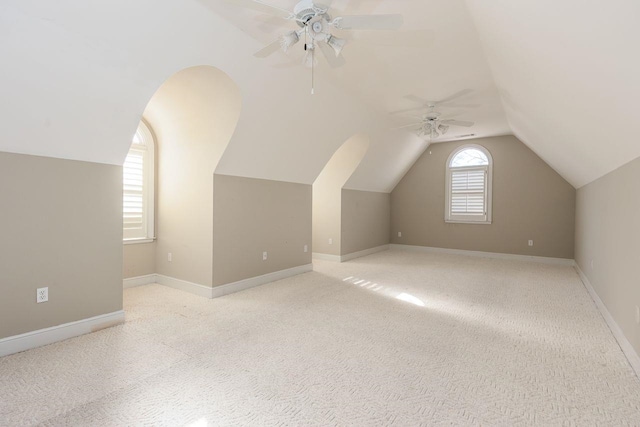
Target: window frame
{"points": [[488, 192], [148, 141]]}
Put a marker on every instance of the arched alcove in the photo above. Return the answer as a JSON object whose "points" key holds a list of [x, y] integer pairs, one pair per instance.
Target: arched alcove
{"points": [[193, 116], [327, 194]]}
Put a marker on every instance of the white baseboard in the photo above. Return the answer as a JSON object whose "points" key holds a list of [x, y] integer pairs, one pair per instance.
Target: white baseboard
{"points": [[183, 285], [540, 259], [625, 345], [29, 340], [133, 282], [365, 252], [230, 288], [252, 282], [325, 257]]}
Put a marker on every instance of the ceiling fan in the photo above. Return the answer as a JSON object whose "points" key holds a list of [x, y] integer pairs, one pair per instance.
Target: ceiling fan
{"points": [[315, 24], [432, 123]]}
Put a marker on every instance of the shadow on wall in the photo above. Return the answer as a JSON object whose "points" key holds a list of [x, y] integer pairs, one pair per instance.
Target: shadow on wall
{"points": [[193, 116], [327, 194]]}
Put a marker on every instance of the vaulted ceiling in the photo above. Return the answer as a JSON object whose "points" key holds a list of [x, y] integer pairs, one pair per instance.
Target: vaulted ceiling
{"points": [[562, 76]]}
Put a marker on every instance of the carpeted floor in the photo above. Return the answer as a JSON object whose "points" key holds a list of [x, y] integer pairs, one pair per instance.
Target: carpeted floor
{"points": [[396, 338]]}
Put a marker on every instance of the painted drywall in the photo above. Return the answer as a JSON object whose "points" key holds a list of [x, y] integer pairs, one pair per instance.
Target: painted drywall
{"points": [[193, 115], [327, 194], [139, 259], [530, 202], [366, 220], [252, 216], [560, 72], [61, 227], [608, 234]]}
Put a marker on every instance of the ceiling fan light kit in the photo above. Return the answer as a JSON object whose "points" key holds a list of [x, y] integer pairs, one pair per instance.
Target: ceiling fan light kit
{"points": [[289, 39]]}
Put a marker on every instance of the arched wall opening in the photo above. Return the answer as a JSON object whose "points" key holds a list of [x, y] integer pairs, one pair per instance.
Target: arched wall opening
{"points": [[193, 116], [327, 195]]}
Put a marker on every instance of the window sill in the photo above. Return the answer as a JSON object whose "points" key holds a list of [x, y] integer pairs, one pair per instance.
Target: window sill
{"points": [[453, 221], [138, 241]]}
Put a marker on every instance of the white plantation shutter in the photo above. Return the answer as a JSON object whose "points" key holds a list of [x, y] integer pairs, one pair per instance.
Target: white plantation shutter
{"points": [[137, 187], [134, 195], [468, 192], [468, 188]]}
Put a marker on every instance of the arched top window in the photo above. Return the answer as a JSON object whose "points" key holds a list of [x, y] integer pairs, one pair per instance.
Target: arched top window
{"points": [[469, 156], [469, 178], [138, 188]]}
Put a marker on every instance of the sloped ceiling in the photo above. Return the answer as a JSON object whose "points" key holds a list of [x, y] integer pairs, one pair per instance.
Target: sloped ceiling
{"points": [[568, 73], [76, 77]]}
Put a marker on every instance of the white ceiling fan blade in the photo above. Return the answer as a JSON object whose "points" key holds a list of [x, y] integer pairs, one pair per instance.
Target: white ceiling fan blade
{"points": [[417, 39], [269, 49], [458, 123], [334, 60], [368, 22], [408, 126], [262, 7]]}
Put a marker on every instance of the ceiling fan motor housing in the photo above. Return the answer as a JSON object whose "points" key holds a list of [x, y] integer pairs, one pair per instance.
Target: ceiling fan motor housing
{"points": [[306, 10]]}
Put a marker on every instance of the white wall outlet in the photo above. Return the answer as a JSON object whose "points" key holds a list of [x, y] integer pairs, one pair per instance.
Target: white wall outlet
{"points": [[331, 241], [169, 257], [637, 315], [264, 256], [530, 242], [42, 295], [592, 264], [306, 248]]}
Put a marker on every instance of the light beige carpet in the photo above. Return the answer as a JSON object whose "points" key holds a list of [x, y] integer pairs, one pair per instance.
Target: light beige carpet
{"points": [[396, 338]]}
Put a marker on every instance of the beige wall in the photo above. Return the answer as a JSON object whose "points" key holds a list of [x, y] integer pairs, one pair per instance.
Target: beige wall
{"points": [[608, 234], [366, 220], [327, 194], [60, 227], [193, 114], [254, 215], [326, 220], [139, 259], [530, 201]]}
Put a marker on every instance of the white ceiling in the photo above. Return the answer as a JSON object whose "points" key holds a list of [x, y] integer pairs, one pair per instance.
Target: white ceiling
{"points": [[569, 76], [76, 77]]}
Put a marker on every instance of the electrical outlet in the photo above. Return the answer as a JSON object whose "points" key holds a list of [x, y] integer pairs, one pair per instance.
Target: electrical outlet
{"points": [[530, 242], [592, 264], [42, 295], [331, 241], [306, 248], [264, 256], [399, 233], [637, 315], [169, 257]]}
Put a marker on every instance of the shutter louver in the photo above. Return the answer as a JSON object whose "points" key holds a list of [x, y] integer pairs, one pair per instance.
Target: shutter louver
{"points": [[468, 193], [133, 193]]}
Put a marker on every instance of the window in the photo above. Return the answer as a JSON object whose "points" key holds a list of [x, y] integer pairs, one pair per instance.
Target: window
{"points": [[469, 177], [137, 188]]}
